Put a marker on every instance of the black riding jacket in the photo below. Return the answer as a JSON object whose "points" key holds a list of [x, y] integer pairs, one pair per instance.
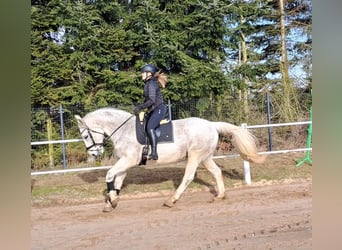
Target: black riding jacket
{"points": [[152, 94]]}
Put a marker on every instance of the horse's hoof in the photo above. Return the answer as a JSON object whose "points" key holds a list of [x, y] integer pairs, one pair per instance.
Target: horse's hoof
{"points": [[218, 198], [113, 199], [108, 207], [169, 203]]}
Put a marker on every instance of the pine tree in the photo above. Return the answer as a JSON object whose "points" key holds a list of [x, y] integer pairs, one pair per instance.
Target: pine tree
{"points": [[90, 52]]}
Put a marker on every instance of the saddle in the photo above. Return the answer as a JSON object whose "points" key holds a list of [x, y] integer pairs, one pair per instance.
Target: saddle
{"points": [[164, 133]]}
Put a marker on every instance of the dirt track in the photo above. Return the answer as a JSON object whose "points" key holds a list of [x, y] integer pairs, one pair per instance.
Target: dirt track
{"points": [[277, 216]]}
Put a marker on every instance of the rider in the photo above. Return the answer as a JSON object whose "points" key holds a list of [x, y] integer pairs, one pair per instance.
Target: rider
{"points": [[154, 102]]}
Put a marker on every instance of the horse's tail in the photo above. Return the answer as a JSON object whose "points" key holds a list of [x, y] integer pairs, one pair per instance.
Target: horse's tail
{"points": [[243, 140]]}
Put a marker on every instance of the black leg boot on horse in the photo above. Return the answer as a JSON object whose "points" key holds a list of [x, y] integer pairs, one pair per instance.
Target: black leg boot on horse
{"points": [[153, 141]]}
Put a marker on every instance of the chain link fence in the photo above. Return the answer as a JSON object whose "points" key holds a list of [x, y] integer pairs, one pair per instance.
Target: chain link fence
{"points": [[58, 123]]}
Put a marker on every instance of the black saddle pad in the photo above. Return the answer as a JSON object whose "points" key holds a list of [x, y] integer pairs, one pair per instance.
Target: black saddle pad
{"points": [[164, 133]]}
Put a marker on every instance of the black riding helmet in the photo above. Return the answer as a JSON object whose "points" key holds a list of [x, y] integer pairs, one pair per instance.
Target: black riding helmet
{"points": [[149, 68]]}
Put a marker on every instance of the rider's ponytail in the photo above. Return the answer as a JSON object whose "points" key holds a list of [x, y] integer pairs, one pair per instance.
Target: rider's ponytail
{"points": [[162, 78]]}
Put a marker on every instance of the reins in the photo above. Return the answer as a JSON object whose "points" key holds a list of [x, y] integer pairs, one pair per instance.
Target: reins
{"points": [[107, 138]]}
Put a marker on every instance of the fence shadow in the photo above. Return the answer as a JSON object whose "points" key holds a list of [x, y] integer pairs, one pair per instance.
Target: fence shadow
{"points": [[232, 174]]}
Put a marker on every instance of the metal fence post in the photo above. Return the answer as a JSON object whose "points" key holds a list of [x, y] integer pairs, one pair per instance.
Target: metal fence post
{"points": [[269, 121], [169, 106]]}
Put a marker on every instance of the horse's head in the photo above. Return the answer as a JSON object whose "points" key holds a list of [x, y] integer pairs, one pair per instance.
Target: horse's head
{"points": [[93, 138]]}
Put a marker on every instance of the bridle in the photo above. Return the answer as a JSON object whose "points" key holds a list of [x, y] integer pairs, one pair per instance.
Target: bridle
{"points": [[104, 135]]}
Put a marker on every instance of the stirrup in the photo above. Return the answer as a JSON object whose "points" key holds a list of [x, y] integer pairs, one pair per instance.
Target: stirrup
{"points": [[153, 156]]}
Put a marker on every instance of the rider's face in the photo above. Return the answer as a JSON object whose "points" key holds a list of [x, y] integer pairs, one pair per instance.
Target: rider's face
{"points": [[145, 75]]}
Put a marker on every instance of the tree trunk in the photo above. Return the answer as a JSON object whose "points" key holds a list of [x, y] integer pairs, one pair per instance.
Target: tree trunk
{"points": [[243, 60], [289, 105], [245, 80]]}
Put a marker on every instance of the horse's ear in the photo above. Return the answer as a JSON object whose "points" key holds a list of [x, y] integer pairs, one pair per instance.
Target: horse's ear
{"points": [[80, 122]]}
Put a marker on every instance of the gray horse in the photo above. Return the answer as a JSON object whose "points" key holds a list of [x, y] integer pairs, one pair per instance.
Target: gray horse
{"points": [[194, 138]]}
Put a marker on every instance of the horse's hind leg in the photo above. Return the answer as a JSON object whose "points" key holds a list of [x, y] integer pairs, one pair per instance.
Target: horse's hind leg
{"points": [[188, 177], [217, 173]]}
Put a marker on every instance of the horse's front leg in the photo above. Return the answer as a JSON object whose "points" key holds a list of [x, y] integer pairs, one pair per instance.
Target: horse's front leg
{"points": [[118, 181], [114, 180], [113, 191]]}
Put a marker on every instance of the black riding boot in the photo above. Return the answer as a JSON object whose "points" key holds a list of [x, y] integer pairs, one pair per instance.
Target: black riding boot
{"points": [[153, 141]]}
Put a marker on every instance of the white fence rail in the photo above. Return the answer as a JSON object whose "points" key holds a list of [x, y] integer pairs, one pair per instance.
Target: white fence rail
{"points": [[55, 142], [246, 164]]}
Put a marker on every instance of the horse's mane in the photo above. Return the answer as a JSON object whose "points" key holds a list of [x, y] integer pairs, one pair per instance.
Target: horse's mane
{"points": [[107, 113]]}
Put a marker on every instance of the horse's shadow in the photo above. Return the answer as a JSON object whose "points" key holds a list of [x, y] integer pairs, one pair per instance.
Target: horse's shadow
{"points": [[143, 175]]}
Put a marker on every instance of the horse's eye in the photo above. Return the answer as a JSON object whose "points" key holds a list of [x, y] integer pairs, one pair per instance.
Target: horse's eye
{"points": [[85, 137]]}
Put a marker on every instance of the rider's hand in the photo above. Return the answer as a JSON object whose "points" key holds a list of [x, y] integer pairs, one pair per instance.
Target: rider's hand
{"points": [[137, 110]]}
